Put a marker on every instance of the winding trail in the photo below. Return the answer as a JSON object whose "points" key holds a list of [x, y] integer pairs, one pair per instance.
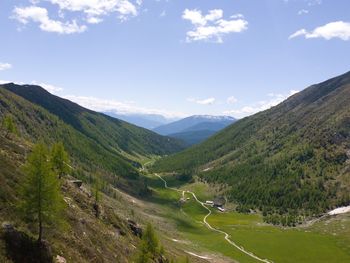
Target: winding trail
{"points": [[227, 236]]}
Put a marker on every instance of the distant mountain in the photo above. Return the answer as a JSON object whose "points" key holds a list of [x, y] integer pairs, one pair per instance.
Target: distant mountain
{"points": [[195, 129], [91, 138], [193, 137], [287, 161], [148, 121]]}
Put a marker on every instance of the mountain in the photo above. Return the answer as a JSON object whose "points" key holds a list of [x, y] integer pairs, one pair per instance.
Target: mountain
{"points": [[93, 139], [288, 161], [148, 121], [195, 129], [189, 123], [193, 137]]}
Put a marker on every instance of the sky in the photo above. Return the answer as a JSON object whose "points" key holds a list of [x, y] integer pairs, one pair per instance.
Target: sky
{"points": [[174, 57]]}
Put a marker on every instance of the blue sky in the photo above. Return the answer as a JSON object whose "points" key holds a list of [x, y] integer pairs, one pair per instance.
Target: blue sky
{"points": [[174, 57]]}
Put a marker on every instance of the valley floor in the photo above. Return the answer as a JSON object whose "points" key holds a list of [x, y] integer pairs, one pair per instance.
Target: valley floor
{"points": [[202, 234]]}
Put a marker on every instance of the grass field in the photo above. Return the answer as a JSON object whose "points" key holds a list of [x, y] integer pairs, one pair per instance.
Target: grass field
{"points": [[323, 242]]}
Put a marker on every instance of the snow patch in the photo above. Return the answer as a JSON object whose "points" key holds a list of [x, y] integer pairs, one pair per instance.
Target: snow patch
{"points": [[340, 210]]}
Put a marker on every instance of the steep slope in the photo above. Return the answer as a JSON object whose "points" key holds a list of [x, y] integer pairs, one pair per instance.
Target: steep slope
{"points": [[292, 157], [105, 130], [83, 238], [189, 124], [94, 141]]}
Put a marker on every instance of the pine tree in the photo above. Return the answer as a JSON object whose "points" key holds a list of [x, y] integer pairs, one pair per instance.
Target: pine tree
{"points": [[41, 200], [59, 159]]}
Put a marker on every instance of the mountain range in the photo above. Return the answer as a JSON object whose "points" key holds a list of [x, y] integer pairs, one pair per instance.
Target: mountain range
{"points": [[195, 129], [148, 121]]}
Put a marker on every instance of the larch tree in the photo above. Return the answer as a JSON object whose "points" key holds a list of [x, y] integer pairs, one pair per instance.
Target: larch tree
{"points": [[59, 159], [9, 125], [149, 249], [40, 198]]}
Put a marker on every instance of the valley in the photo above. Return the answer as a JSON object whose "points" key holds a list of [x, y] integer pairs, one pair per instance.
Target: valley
{"points": [[252, 240], [259, 190]]}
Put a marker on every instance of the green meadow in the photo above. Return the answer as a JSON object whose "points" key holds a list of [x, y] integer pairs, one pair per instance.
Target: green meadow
{"points": [[277, 244]]}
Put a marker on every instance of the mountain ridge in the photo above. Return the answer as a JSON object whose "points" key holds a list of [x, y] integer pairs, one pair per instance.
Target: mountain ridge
{"points": [[196, 128], [292, 149]]}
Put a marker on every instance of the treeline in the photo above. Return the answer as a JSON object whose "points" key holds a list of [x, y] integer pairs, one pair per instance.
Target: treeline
{"points": [[286, 188]]}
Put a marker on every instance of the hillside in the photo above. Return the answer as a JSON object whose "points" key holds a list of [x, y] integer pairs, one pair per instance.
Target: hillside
{"points": [[83, 237], [292, 158], [195, 129], [108, 131], [94, 140]]}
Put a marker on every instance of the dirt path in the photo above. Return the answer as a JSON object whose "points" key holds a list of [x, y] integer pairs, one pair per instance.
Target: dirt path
{"points": [[227, 236]]}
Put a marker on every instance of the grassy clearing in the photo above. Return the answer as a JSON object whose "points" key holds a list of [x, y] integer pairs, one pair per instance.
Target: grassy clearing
{"points": [[280, 245], [323, 242]]}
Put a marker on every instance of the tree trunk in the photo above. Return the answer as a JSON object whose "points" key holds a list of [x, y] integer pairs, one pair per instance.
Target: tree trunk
{"points": [[40, 229]]}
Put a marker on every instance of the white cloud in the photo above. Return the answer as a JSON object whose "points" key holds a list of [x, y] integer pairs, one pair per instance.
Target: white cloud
{"points": [[208, 101], [49, 87], [4, 81], [103, 105], [89, 11], [95, 9], [4, 66], [338, 29], [212, 26], [231, 100], [273, 100], [40, 15], [303, 12]]}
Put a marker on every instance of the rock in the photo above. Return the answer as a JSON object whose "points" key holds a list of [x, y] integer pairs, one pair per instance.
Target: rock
{"points": [[21, 248], [60, 259], [136, 230], [77, 183]]}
